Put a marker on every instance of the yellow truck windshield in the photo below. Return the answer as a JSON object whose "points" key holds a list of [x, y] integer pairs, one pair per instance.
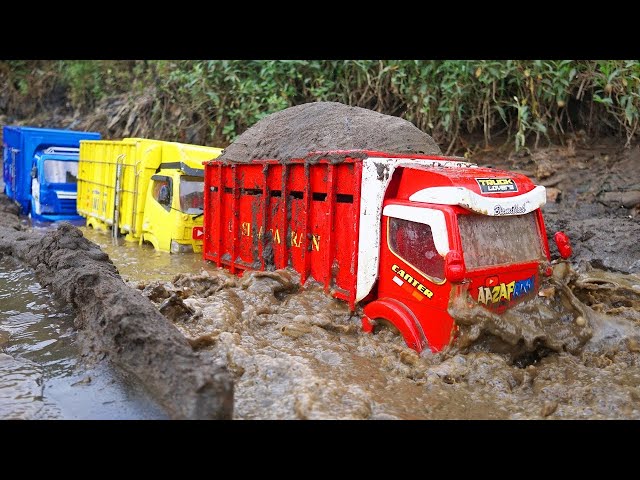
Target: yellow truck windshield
{"points": [[490, 241], [191, 195]]}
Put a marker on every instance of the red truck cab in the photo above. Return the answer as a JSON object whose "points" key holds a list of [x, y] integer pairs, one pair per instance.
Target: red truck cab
{"points": [[403, 235], [446, 231]]}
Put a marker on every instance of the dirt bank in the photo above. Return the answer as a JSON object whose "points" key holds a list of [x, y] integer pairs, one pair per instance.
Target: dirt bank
{"points": [[117, 323], [327, 126], [9, 212], [593, 193]]}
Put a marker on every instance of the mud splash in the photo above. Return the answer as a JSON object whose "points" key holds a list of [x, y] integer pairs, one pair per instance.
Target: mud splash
{"points": [[555, 321], [297, 353]]}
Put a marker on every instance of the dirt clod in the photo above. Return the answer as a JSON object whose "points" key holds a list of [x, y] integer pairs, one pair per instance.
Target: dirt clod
{"points": [[553, 194], [549, 408], [626, 199]]}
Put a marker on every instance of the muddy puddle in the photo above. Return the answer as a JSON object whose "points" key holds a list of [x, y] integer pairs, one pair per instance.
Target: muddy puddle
{"points": [[41, 373], [296, 353], [143, 262]]}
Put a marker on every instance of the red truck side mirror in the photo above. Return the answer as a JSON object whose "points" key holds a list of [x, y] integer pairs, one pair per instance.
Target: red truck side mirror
{"points": [[454, 269], [564, 247]]}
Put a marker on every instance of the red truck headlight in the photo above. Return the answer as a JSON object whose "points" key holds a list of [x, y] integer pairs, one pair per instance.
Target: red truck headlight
{"points": [[564, 247]]}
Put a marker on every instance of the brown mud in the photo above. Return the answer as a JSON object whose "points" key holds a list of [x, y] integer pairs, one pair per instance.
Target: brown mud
{"points": [[555, 322], [297, 353], [573, 352], [294, 132], [117, 323], [9, 212]]}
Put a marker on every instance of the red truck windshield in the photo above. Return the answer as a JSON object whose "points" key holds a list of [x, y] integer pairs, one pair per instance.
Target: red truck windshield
{"points": [[490, 241]]}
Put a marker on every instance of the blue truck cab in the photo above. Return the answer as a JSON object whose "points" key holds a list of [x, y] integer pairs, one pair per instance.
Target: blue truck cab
{"points": [[40, 169]]}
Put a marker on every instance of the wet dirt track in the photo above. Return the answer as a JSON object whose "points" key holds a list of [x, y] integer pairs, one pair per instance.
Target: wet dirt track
{"points": [[296, 353], [42, 375], [117, 324], [299, 354]]}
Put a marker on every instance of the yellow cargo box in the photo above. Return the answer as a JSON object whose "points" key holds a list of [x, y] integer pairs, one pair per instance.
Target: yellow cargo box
{"points": [[149, 190]]}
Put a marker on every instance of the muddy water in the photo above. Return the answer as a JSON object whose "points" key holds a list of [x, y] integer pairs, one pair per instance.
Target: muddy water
{"points": [[297, 353], [136, 262], [41, 376]]}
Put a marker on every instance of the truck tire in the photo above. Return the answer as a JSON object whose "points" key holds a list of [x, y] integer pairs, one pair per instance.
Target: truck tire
{"points": [[380, 324], [391, 311]]}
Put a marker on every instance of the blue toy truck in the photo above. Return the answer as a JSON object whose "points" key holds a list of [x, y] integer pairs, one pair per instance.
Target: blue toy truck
{"points": [[40, 169]]}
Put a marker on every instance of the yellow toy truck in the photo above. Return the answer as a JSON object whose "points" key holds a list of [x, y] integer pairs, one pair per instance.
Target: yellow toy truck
{"points": [[148, 190]]}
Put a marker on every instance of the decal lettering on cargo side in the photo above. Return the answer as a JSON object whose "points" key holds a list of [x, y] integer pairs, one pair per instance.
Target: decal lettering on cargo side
{"points": [[497, 185], [494, 292], [409, 284], [295, 240]]}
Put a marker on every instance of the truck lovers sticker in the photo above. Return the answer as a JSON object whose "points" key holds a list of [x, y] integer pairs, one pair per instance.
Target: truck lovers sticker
{"points": [[497, 185]]}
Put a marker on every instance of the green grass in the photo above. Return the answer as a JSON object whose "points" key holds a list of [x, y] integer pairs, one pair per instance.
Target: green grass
{"points": [[530, 101]]}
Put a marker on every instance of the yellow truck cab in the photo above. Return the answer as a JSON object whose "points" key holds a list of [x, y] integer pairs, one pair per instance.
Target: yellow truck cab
{"points": [[148, 190]]}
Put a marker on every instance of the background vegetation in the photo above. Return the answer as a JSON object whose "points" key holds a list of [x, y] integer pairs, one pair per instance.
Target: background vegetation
{"points": [[213, 101]]}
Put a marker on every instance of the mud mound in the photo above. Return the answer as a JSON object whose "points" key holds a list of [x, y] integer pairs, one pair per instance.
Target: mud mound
{"points": [[9, 212], [325, 126]]}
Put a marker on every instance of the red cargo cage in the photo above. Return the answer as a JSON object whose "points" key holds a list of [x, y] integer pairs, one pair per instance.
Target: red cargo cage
{"points": [[271, 215]]}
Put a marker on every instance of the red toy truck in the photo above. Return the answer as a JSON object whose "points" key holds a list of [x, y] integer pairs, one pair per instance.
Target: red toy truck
{"points": [[403, 234]]}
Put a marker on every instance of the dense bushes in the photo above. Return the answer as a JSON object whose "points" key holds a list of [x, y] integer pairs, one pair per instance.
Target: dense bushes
{"points": [[528, 100]]}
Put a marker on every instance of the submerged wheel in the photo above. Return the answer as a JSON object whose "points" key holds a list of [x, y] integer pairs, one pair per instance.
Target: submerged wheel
{"points": [[382, 324]]}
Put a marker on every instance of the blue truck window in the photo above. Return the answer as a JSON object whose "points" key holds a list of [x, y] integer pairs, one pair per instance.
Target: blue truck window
{"points": [[58, 171]]}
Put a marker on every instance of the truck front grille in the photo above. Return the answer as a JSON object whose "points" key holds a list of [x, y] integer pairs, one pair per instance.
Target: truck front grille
{"points": [[68, 206]]}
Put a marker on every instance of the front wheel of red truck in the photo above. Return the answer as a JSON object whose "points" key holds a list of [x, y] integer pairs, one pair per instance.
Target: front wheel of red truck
{"points": [[382, 324], [391, 312]]}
